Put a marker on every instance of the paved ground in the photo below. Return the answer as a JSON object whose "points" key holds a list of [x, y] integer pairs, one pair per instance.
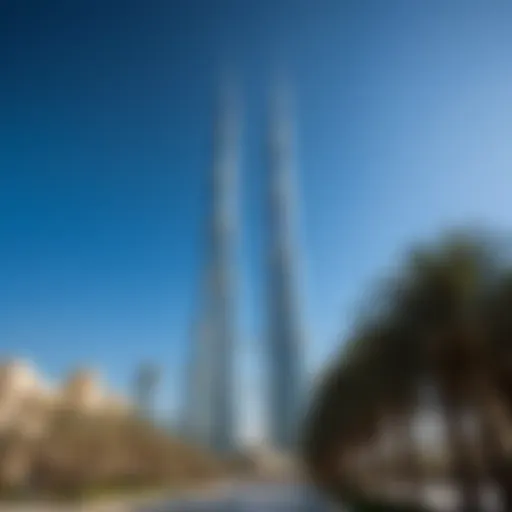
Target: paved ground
{"points": [[223, 498], [246, 498], [444, 496], [242, 497], [437, 496]]}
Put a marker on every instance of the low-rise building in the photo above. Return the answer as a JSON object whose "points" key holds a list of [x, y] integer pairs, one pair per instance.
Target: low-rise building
{"points": [[27, 399]]}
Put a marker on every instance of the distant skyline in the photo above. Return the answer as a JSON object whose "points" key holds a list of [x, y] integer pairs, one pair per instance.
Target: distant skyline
{"points": [[404, 119]]}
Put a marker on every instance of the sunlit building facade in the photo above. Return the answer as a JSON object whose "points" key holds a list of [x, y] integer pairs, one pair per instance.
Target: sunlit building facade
{"points": [[211, 408], [284, 348], [27, 399], [211, 395]]}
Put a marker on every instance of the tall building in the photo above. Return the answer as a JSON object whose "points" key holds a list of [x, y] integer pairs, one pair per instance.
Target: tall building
{"points": [[211, 415], [284, 334], [146, 380], [211, 407]]}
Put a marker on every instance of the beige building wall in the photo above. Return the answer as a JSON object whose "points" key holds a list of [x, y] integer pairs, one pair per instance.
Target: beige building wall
{"points": [[26, 399]]}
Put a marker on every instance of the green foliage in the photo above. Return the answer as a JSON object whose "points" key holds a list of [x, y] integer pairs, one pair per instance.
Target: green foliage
{"points": [[445, 318]]}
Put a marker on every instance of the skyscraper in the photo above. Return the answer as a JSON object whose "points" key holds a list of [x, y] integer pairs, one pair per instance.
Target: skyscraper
{"points": [[212, 389], [284, 334]]}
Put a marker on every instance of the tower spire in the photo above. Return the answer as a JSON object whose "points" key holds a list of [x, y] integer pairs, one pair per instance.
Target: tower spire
{"points": [[223, 237], [212, 393], [284, 332]]}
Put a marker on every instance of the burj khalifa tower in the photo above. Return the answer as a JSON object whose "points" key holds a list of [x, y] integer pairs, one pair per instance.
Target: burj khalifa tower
{"points": [[211, 400], [284, 348]]}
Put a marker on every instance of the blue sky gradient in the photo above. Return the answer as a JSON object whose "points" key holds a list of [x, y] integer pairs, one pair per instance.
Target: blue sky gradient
{"points": [[404, 121]]}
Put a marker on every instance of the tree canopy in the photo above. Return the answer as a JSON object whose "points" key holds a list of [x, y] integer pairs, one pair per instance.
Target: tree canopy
{"points": [[445, 320]]}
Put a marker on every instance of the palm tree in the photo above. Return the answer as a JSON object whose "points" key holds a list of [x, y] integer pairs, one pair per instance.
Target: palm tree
{"points": [[368, 384], [448, 287], [496, 396], [447, 292], [437, 328]]}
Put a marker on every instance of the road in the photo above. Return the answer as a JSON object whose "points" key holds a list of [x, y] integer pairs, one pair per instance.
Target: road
{"points": [[230, 497], [436, 496], [246, 498]]}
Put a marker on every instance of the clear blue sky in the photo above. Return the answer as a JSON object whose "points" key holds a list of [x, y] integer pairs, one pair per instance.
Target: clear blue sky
{"points": [[404, 114]]}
